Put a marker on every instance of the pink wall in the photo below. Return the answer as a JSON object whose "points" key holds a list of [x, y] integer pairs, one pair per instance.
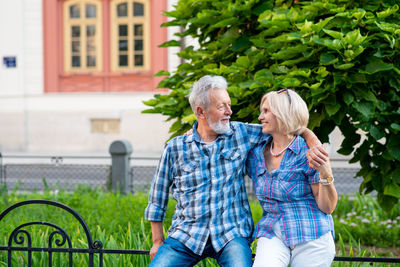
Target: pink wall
{"points": [[55, 80]]}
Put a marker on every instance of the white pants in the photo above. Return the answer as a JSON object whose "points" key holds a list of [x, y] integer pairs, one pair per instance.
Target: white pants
{"points": [[273, 252]]}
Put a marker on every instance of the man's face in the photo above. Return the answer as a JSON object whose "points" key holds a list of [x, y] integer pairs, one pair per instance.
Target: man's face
{"points": [[219, 111]]}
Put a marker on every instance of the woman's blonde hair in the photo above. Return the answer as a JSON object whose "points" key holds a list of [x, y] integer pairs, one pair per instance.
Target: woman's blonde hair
{"points": [[290, 110]]}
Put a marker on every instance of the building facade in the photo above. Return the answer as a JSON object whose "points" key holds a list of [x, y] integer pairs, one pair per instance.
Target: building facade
{"points": [[74, 74]]}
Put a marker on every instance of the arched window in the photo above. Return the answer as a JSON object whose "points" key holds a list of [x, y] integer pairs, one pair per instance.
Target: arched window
{"points": [[130, 42], [82, 36]]}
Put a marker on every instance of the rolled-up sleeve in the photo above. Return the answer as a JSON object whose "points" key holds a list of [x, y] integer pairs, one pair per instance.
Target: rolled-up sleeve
{"points": [[159, 191], [254, 133]]}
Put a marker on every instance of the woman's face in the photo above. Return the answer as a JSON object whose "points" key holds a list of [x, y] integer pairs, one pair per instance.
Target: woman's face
{"points": [[268, 120]]}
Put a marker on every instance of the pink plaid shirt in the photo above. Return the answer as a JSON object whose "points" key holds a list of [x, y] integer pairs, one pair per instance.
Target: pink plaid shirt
{"points": [[285, 195]]}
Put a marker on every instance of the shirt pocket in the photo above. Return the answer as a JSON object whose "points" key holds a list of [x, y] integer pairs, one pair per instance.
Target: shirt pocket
{"points": [[293, 189], [189, 176], [230, 160]]}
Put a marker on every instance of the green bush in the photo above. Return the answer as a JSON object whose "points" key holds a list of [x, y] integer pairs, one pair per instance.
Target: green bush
{"points": [[117, 221], [342, 57], [363, 220]]}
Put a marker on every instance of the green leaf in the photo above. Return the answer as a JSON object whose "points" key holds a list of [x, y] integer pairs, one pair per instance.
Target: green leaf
{"points": [[387, 202], [224, 23], [344, 66], [358, 78], [359, 15], [376, 133], [320, 25], [331, 109], [291, 82], [263, 75], [328, 59], [175, 126], [241, 43], [377, 65], [365, 108], [189, 118], [396, 175], [395, 126], [315, 120], [170, 44], [150, 111], [392, 190], [162, 73], [348, 98], [354, 38], [393, 146], [243, 61], [334, 34], [387, 12], [150, 102]]}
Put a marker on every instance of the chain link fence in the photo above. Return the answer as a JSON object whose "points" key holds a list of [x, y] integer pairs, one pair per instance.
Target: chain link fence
{"points": [[40, 172]]}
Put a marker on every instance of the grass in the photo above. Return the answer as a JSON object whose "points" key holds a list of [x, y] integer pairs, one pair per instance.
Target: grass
{"points": [[117, 221]]}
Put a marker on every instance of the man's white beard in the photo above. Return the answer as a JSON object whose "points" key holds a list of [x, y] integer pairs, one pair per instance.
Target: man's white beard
{"points": [[219, 127]]}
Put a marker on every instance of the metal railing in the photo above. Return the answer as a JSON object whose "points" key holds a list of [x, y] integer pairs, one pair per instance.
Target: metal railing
{"points": [[28, 173], [67, 172], [21, 236]]}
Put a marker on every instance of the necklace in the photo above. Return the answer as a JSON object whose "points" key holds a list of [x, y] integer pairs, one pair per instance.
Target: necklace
{"points": [[278, 154]]}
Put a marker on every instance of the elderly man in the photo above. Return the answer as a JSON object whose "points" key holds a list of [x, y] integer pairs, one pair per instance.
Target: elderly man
{"points": [[205, 172]]}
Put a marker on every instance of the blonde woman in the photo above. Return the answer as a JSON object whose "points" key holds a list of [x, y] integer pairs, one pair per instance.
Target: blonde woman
{"points": [[296, 228]]}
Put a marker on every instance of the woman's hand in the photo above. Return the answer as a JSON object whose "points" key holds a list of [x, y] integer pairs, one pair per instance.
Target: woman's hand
{"points": [[189, 132]]}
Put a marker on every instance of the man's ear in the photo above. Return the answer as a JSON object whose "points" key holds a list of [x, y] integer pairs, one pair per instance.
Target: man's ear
{"points": [[200, 112]]}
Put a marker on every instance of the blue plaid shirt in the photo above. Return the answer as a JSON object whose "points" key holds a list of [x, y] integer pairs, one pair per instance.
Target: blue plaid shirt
{"points": [[285, 195], [207, 181]]}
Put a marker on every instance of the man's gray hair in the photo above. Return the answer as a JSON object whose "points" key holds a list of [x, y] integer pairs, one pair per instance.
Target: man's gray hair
{"points": [[199, 95]]}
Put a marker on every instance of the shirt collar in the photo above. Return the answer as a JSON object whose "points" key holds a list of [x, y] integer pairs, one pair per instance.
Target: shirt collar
{"points": [[295, 146], [196, 137]]}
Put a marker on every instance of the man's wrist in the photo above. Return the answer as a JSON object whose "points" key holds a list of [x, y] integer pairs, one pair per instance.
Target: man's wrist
{"points": [[158, 241]]}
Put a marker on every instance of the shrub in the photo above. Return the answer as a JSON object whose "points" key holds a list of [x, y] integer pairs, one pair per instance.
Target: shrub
{"points": [[342, 57]]}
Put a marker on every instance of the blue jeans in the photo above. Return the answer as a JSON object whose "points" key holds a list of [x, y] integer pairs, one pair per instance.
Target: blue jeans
{"points": [[236, 253]]}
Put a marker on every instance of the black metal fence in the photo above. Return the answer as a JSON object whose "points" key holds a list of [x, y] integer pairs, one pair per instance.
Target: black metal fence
{"points": [[22, 239], [67, 172], [59, 241]]}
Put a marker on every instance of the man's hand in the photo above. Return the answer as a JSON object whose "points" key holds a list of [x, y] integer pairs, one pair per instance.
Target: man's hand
{"points": [[154, 249], [189, 132], [317, 156], [158, 237]]}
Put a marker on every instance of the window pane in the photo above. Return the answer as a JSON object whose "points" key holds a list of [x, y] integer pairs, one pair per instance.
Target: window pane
{"points": [[91, 61], [138, 29], [74, 11], [90, 30], [122, 10], [123, 60], [123, 45], [76, 46], [76, 31], [138, 9], [90, 46], [123, 30], [138, 60], [90, 11], [138, 45], [76, 61]]}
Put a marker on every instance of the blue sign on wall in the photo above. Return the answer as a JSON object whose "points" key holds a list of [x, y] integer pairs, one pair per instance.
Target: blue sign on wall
{"points": [[10, 62]]}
